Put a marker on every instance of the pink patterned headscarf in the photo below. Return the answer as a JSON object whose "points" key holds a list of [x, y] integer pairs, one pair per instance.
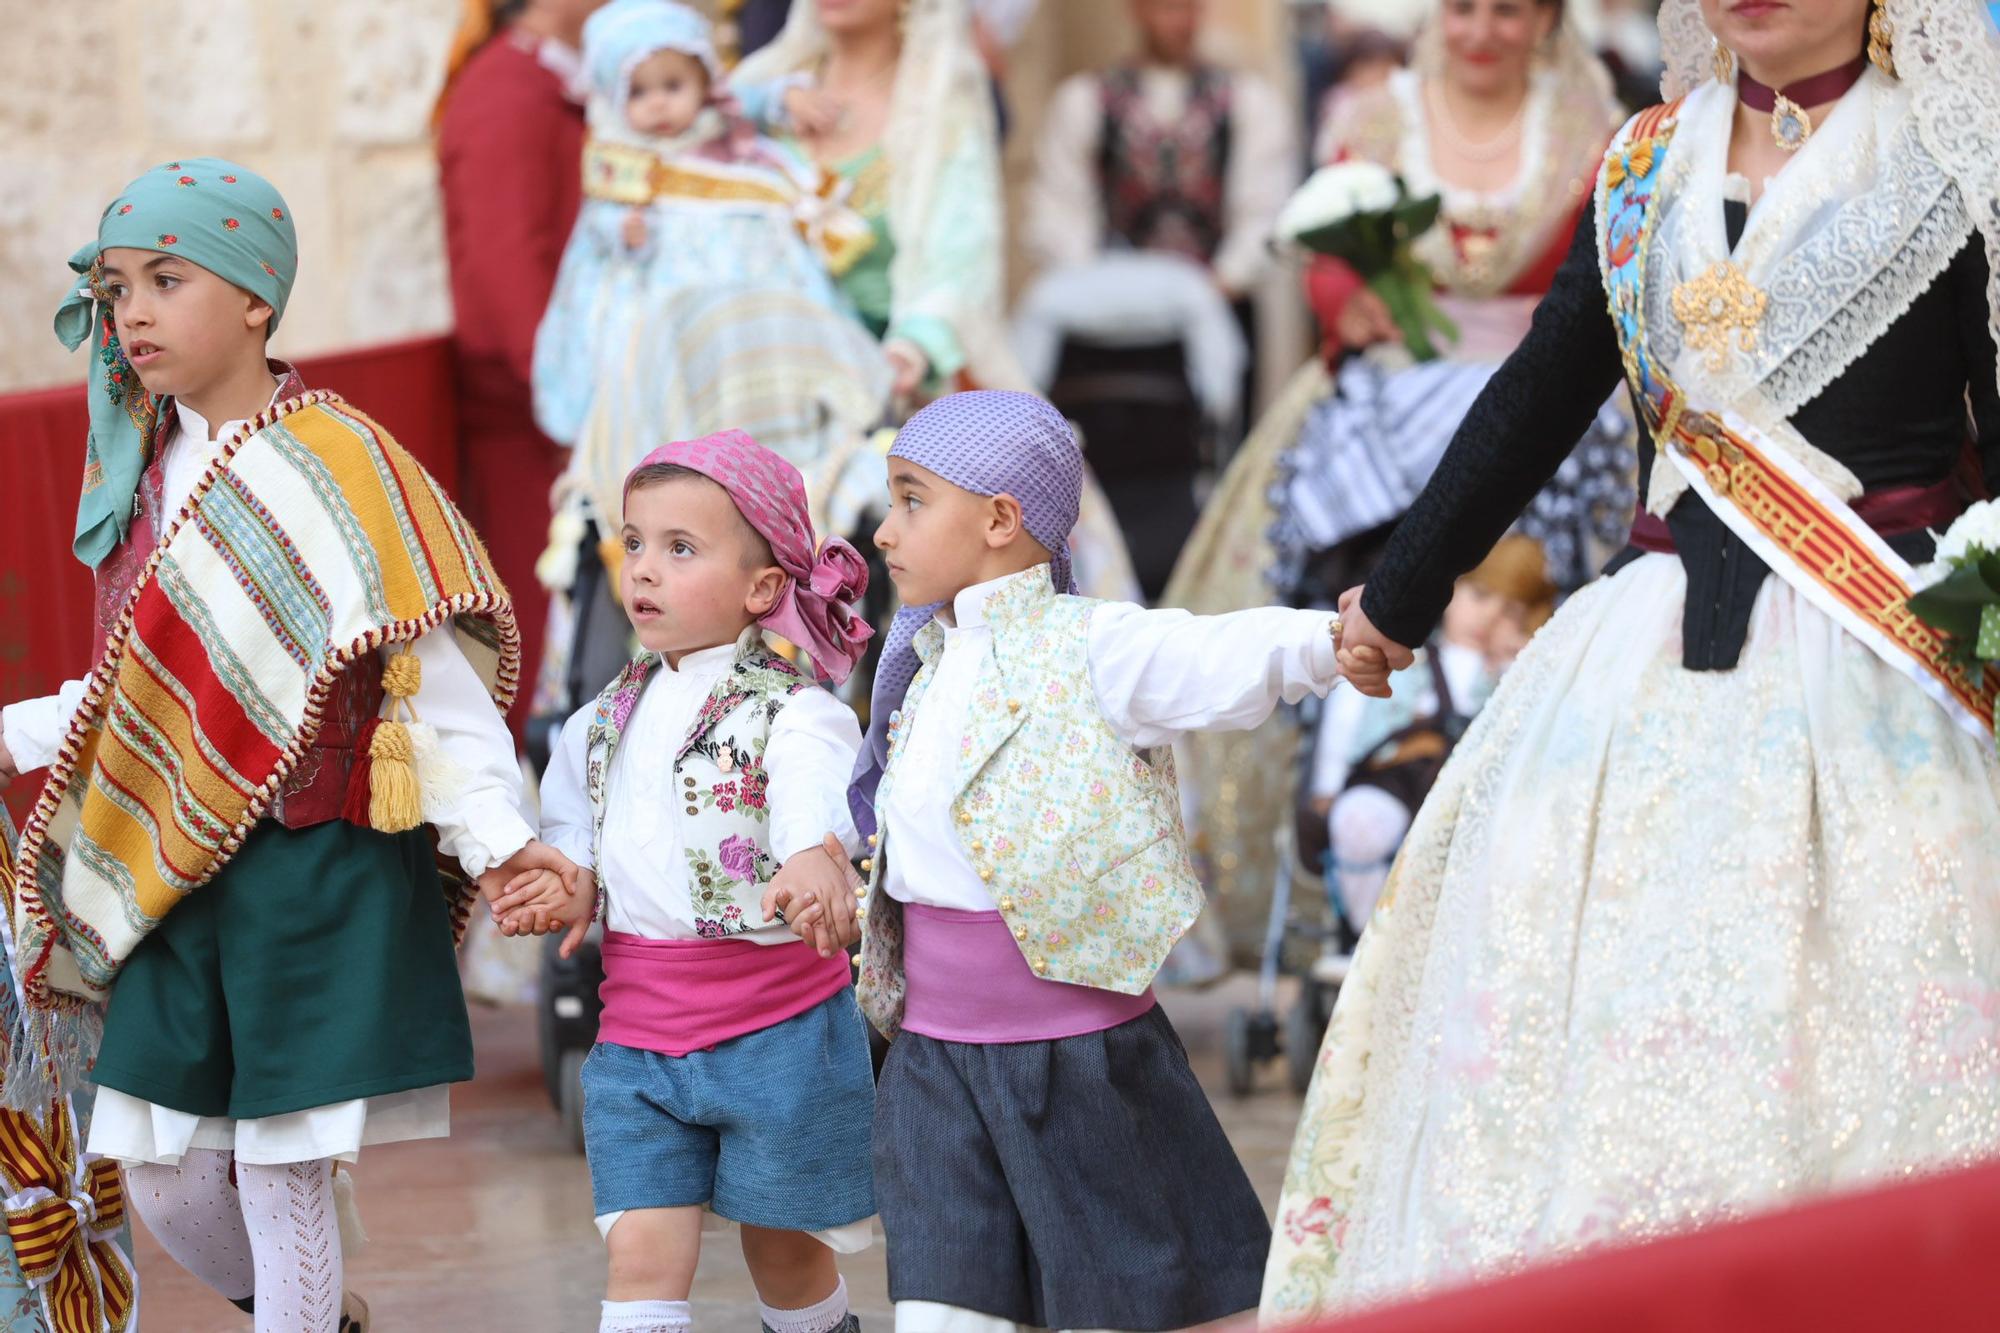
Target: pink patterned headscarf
{"points": [[815, 611]]}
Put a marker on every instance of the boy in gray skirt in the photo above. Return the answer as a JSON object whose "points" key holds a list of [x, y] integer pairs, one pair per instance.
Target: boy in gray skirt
{"points": [[1043, 1154]]}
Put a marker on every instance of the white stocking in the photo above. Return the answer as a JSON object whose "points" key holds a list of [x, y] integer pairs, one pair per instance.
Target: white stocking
{"points": [[295, 1237], [191, 1209]]}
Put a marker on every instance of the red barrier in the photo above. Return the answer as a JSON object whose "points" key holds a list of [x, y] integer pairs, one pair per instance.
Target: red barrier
{"points": [[1911, 1257], [45, 593]]}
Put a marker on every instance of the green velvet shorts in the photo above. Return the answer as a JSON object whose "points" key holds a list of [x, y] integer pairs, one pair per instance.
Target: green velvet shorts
{"points": [[316, 968]]}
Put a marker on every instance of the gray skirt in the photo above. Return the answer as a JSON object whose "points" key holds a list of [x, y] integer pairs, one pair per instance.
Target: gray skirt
{"points": [[1081, 1183]]}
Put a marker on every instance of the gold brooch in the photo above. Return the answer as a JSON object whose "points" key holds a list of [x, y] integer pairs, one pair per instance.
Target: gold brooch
{"points": [[1713, 306]]}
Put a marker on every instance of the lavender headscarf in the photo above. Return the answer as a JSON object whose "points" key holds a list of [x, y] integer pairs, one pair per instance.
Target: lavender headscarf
{"points": [[989, 442]]}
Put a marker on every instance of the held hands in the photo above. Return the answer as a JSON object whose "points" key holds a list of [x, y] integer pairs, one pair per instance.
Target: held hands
{"points": [[538, 891], [1365, 654], [537, 902], [820, 897]]}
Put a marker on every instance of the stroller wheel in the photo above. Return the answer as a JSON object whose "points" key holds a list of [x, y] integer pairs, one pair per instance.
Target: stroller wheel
{"points": [[1305, 1027], [1239, 1060]]}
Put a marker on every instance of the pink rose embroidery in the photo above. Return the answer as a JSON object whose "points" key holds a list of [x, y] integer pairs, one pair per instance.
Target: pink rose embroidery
{"points": [[738, 856]]}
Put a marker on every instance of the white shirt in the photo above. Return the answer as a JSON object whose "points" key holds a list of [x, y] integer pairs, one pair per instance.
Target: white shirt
{"points": [[1157, 675], [480, 824], [1065, 213], [643, 860]]}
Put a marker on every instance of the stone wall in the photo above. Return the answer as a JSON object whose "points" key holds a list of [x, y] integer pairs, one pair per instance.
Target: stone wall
{"points": [[331, 101]]}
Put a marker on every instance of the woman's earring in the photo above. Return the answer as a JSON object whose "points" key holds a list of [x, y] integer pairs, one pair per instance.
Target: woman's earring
{"points": [[1724, 64], [1880, 39]]}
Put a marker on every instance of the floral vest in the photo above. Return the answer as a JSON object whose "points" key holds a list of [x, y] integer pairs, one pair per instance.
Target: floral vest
{"points": [[1078, 836], [719, 781]]}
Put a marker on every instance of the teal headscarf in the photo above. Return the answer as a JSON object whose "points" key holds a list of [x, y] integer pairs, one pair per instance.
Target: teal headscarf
{"points": [[224, 217]]}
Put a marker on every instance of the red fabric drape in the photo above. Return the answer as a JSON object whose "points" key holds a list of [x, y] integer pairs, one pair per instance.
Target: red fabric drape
{"points": [[510, 166], [45, 595], [1917, 1256]]}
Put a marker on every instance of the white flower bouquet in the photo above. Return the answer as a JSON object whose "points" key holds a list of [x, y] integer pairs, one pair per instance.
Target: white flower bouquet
{"points": [[1362, 213], [1958, 593]]}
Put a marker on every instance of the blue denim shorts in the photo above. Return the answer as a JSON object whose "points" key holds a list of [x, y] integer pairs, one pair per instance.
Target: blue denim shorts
{"points": [[772, 1128]]}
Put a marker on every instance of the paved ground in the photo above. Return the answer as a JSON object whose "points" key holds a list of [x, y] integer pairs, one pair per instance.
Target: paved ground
{"points": [[491, 1230]]}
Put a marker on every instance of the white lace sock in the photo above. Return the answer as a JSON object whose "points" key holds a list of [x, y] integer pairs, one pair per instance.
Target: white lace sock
{"points": [[295, 1237], [645, 1317], [191, 1209], [825, 1317]]}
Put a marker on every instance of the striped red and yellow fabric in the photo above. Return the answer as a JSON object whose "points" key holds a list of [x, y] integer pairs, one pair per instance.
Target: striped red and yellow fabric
{"points": [[64, 1219], [313, 539]]}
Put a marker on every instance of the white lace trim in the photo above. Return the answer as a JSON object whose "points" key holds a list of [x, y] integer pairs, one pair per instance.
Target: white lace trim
{"points": [[1948, 62], [1857, 227]]}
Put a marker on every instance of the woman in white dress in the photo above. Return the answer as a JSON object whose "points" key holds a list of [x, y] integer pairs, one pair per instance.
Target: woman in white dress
{"points": [[1704, 914]]}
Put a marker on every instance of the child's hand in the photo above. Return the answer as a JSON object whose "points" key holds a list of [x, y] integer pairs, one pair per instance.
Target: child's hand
{"points": [[529, 902], [812, 112], [1366, 655], [819, 896], [553, 908], [537, 855], [635, 232]]}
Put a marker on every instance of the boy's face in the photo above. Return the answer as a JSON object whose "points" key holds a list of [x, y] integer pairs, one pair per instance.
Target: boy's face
{"points": [[182, 326], [696, 575], [669, 89], [934, 538]]}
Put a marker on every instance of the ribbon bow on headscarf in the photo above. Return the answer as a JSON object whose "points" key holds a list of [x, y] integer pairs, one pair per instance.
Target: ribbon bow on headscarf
{"points": [[223, 217], [815, 610], [989, 442]]}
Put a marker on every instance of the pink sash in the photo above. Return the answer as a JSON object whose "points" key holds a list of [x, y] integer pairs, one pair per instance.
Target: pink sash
{"points": [[677, 996], [968, 982]]}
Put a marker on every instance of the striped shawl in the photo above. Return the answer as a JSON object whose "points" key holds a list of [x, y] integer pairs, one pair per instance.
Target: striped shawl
{"points": [[313, 539]]}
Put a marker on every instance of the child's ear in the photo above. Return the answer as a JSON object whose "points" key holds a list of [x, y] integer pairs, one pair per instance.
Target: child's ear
{"points": [[1003, 522], [259, 315], [765, 591]]}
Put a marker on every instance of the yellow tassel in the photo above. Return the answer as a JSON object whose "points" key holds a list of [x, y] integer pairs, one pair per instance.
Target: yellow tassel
{"points": [[403, 676], [394, 802]]}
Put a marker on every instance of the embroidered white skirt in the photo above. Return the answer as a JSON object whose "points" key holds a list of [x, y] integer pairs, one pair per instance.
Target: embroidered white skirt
{"points": [[1663, 947]]}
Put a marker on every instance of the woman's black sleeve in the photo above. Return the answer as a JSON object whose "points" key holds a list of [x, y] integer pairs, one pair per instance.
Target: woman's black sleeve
{"points": [[1518, 432]]}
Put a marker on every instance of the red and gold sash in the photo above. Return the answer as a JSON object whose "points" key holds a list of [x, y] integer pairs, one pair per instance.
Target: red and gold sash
{"points": [[1802, 531]]}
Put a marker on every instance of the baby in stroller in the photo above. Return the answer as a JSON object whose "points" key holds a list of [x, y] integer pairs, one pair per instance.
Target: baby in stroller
{"points": [[1374, 760]]}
